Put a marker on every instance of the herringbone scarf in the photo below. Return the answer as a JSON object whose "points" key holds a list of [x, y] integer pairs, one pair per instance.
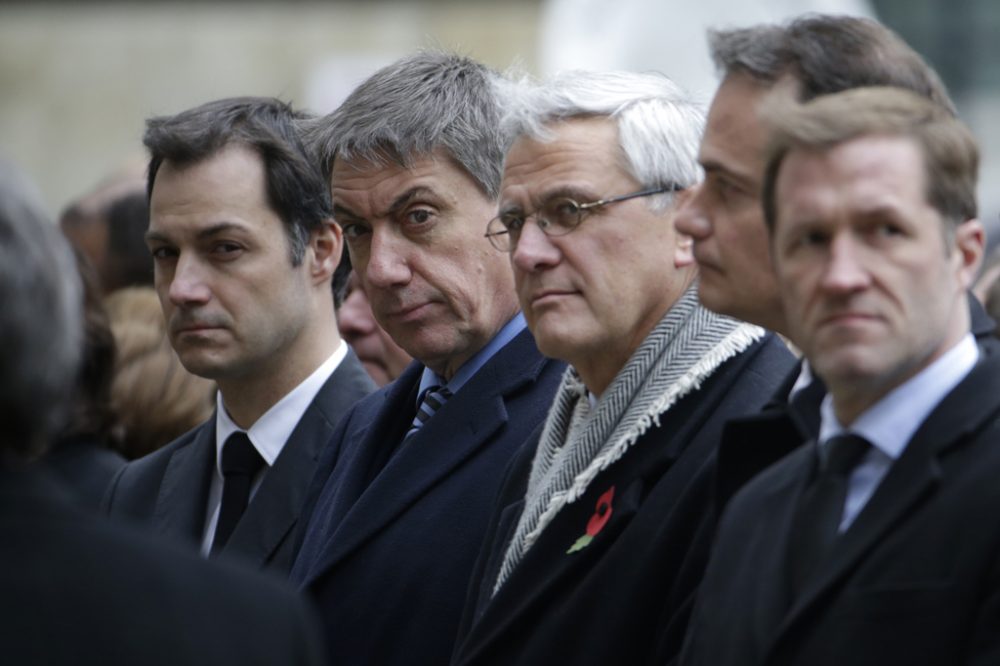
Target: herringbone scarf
{"points": [[687, 345]]}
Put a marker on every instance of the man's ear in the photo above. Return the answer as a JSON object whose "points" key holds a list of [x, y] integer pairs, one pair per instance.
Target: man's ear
{"points": [[326, 244], [970, 242]]}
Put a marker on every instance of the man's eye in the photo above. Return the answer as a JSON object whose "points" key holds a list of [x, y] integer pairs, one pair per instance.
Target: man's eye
{"points": [[888, 230], [512, 222], [162, 253], [227, 248], [563, 212], [352, 230], [418, 216], [812, 239]]}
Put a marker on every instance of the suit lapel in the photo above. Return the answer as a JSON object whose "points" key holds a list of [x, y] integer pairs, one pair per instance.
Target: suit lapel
{"points": [[457, 430], [912, 478], [180, 505], [276, 505]]}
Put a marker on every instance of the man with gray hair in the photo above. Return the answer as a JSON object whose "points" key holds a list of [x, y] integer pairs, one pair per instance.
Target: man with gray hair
{"points": [[400, 502], [808, 57], [602, 528], [75, 589]]}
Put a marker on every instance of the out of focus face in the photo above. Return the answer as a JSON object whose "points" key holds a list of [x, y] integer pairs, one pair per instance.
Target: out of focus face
{"points": [[235, 305], [590, 297], [873, 290], [383, 359], [416, 241], [724, 215]]}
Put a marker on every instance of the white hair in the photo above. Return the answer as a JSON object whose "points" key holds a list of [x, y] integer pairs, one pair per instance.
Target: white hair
{"points": [[659, 124]]}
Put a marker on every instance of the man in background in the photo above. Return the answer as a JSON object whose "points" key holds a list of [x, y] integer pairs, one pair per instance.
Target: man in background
{"points": [[806, 58]]}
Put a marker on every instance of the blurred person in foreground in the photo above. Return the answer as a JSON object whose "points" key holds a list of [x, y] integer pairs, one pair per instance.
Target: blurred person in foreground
{"points": [[154, 398], [383, 359], [877, 542], [246, 256], [81, 453], [75, 589], [805, 58], [601, 531], [401, 499]]}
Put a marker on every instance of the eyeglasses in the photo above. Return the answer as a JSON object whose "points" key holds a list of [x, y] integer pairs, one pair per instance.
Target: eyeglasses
{"points": [[556, 217]]}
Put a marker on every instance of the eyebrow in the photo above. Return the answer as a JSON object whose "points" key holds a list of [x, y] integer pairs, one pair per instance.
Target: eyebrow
{"points": [[397, 204], [718, 168], [207, 232], [568, 191]]}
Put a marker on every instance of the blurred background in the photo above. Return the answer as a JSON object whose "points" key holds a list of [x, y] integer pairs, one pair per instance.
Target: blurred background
{"points": [[77, 79]]}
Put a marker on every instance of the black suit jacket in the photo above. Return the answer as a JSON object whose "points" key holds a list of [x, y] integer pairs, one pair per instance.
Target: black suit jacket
{"points": [[168, 489], [76, 589], [914, 580], [394, 528], [625, 598], [751, 444]]}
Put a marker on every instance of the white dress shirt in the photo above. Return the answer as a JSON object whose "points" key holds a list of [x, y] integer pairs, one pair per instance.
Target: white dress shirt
{"points": [[889, 424], [268, 434]]}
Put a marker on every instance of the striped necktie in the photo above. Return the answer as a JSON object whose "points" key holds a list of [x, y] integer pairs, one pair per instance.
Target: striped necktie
{"points": [[434, 398]]}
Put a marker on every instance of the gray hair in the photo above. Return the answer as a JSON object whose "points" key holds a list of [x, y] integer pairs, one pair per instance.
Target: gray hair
{"points": [[659, 124], [427, 101], [827, 54], [40, 321]]}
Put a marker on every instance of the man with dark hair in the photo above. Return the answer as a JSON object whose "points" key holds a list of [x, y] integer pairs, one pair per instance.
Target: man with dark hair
{"points": [[75, 589], [808, 57], [876, 542], [245, 250], [402, 497]]}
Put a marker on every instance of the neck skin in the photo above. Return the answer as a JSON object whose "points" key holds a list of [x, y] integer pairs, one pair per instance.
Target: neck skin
{"points": [[599, 368], [247, 398], [853, 397]]}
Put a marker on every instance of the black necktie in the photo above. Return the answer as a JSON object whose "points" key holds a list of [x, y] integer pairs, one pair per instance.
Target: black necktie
{"points": [[821, 507], [240, 462]]}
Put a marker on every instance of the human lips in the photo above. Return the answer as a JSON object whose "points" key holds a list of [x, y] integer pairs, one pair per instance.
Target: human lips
{"points": [[541, 297], [182, 327], [848, 318], [409, 311]]}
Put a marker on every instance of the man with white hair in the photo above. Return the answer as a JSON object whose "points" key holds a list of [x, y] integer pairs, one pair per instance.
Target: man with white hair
{"points": [[603, 520]]}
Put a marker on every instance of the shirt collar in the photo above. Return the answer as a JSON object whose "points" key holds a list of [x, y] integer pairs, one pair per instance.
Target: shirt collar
{"points": [[891, 422], [509, 331], [270, 432], [804, 379]]}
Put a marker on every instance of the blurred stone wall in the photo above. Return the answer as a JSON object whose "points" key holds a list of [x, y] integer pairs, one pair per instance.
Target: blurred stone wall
{"points": [[78, 80]]}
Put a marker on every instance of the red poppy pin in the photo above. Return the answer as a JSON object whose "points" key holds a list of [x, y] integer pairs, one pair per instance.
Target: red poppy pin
{"points": [[602, 514]]}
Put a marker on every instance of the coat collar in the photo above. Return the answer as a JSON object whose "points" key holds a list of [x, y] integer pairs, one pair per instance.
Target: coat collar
{"points": [[972, 405], [269, 518], [353, 509]]}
